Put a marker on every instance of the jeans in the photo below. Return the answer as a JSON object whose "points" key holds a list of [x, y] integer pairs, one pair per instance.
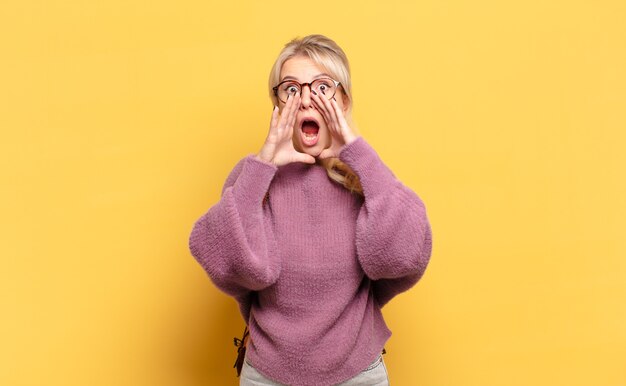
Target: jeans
{"points": [[375, 375]]}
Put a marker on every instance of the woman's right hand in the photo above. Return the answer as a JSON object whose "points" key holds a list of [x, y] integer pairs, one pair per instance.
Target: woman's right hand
{"points": [[278, 147]]}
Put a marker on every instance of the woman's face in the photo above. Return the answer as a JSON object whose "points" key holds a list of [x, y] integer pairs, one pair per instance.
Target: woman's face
{"points": [[304, 70]]}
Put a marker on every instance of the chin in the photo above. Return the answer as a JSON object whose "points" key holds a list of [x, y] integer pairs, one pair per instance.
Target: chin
{"points": [[314, 150]]}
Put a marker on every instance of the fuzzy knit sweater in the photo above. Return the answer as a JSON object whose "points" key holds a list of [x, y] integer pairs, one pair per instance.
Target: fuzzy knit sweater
{"points": [[311, 264]]}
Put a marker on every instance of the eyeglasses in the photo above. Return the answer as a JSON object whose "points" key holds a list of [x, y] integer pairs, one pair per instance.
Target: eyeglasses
{"points": [[323, 87]]}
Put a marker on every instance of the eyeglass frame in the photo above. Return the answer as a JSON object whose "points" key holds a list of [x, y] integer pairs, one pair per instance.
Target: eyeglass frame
{"points": [[275, 88]]}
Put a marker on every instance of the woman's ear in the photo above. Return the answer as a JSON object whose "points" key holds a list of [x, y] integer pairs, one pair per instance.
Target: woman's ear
{"points": [[346, 102]]}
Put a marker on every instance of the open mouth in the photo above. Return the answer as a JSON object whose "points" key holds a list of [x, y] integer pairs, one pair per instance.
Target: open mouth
{"points": [[310, 132]]}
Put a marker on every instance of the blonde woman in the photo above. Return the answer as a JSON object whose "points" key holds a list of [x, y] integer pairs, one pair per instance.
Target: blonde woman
{"points": [[314, 234]]}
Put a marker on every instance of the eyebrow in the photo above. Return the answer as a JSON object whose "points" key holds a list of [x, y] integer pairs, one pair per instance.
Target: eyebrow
{"points": [[322, 75]]}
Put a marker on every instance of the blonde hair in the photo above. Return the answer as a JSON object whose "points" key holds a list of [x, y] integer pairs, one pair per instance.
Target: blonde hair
{"points": [[331, 58]]}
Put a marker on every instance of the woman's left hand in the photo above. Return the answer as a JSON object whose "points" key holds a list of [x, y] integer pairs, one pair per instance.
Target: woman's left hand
{"points": [[341, 133]]}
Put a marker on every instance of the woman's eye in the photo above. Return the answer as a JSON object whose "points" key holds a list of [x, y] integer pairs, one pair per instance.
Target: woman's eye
{"points": [[292, 89]]}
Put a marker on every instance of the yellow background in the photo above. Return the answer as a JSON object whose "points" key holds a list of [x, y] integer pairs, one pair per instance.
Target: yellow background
{"points": [[120, 121]]}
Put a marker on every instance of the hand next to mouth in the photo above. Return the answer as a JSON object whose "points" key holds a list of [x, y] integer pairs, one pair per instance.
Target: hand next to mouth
{"points": [[339, 129], [278, 147]]}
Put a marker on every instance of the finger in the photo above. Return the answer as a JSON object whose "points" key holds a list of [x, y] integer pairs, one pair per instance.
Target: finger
{"points": [[290, 118], [331, 110], [340, 117], [322, 109], [285, 112], [346, 131], [294, 110], [327, 153], [323, 154], [333, 125], [306, 158], [274, 119], [294, 113]]}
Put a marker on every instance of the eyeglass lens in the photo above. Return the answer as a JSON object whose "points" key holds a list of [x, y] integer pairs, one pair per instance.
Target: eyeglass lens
{"points": [[323, 87]]}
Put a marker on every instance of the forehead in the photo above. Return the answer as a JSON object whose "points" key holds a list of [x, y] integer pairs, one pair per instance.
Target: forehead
{"points": [[301, 68]]}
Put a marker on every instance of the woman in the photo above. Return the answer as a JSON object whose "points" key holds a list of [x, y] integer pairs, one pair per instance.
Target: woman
{"points": [[314, 234]]}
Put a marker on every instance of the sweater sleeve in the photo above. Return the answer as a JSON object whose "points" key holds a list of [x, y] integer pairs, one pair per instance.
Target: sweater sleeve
{"points": [[393, 234], [233, 241]]}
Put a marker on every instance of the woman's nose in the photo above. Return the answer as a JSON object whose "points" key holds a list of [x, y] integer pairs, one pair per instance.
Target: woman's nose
{"points": [[305, 96]]}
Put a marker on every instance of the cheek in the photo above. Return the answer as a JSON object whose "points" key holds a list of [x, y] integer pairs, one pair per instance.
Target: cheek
{"points": [[295, 139], [326, 137]]}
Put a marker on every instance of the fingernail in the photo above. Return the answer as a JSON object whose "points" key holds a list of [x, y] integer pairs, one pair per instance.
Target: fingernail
{"points": [[334, 99], [313, 91], [323, 92]]}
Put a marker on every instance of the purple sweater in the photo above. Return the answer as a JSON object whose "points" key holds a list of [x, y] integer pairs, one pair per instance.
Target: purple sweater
{"points": [[313, 264]]}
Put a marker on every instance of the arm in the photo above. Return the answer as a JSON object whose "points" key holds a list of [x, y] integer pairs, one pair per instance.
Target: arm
{"points": [[233, 241], [393, 236]]}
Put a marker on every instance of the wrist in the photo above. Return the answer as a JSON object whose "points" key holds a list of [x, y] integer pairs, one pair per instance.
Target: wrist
{"points": [[261, 158], [348, 139]]}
